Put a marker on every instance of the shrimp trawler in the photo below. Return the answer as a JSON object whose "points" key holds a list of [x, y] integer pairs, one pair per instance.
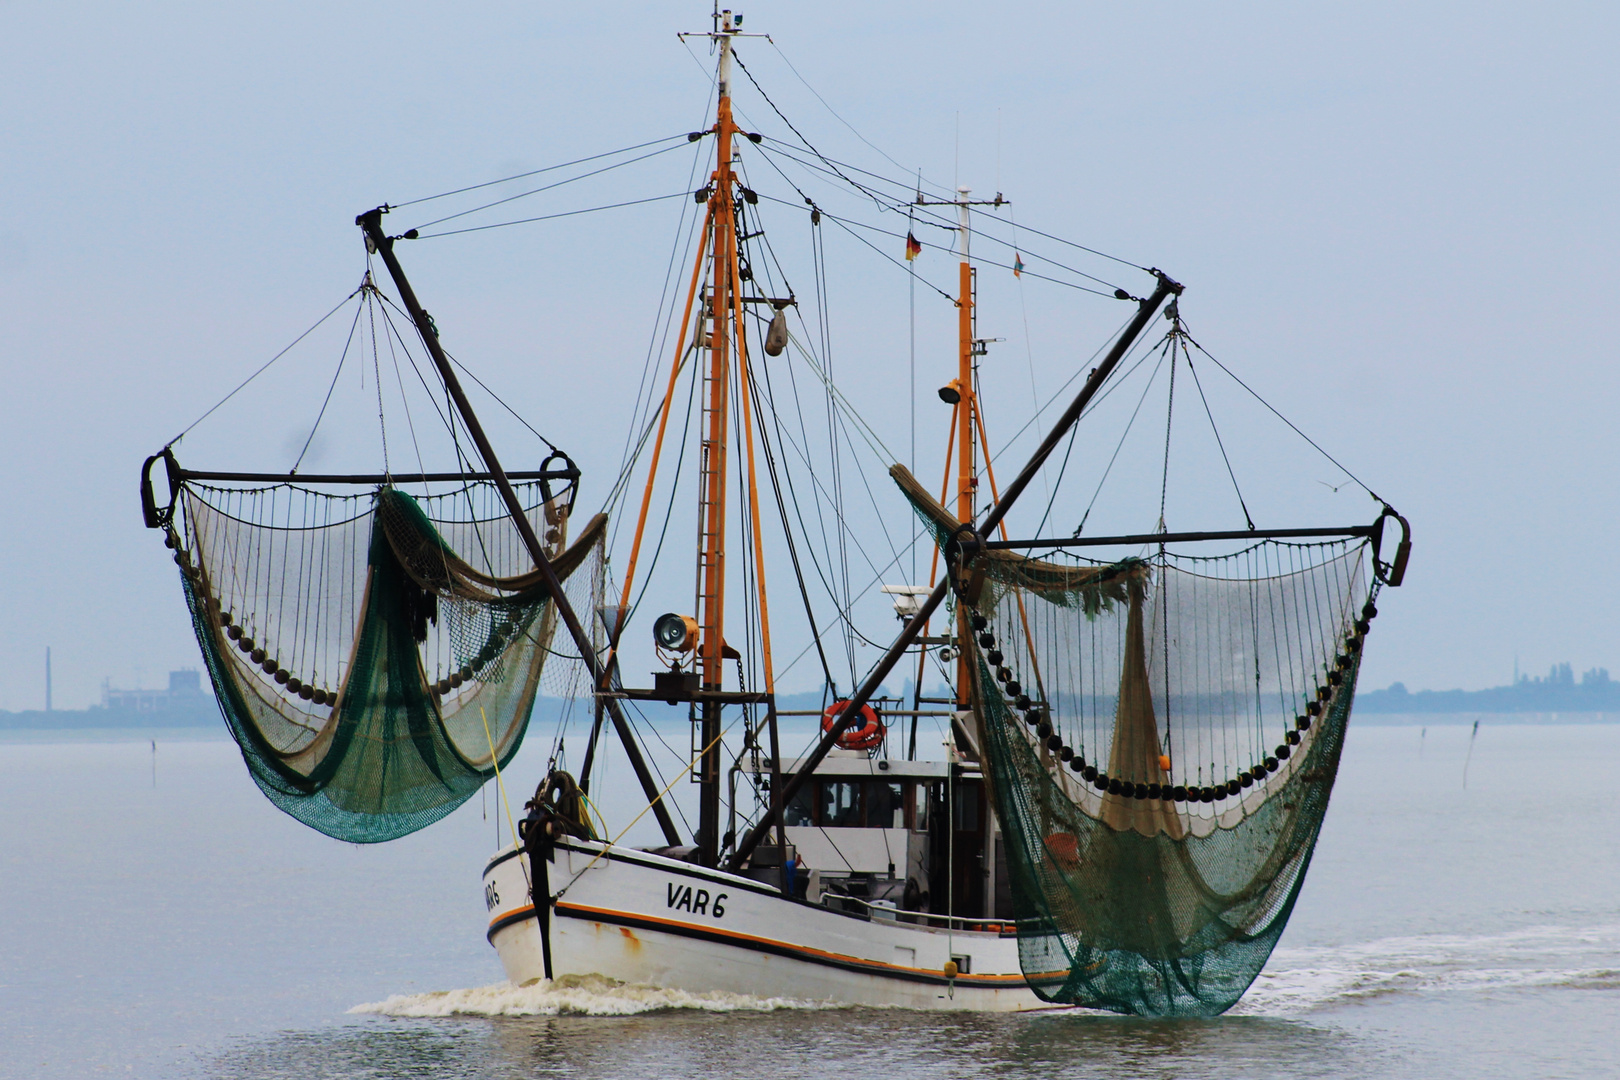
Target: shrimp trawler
{"points": [[1140, 732]]}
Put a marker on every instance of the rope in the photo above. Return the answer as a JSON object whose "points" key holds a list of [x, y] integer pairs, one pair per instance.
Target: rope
{"points": [[947, 226], [499, 783], [1078, 529], [1218, 441], [535, 172], [547, 187], [1169, 415], [1284, 419], [551, 217], [688, 767], [333, 386], [267, 364], [840, 119]]}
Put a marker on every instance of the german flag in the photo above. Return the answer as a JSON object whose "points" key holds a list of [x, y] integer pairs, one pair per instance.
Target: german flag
{"points": [[913, 246]]}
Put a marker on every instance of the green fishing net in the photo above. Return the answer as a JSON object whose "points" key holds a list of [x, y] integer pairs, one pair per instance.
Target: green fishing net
{"points": [[375, 656], [1160, 736]]}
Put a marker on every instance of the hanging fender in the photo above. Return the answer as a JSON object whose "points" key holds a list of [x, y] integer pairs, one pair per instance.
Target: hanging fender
{"points": [[776, 338], [865, 734]]}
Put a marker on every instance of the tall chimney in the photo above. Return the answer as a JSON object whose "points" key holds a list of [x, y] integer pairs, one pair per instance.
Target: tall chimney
{"points": [[47, 678]]}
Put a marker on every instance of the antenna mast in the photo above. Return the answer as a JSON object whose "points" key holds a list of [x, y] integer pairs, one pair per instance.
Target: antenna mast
{"points": [[964, 389]]}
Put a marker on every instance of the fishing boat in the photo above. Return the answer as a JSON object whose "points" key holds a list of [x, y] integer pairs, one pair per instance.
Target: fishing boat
{"points": [[1140, 731]]}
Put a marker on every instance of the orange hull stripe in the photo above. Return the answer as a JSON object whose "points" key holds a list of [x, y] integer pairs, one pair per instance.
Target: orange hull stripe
{"points": [[776, 943]]}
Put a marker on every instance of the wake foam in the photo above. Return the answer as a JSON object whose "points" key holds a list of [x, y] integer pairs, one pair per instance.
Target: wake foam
{"points": [[1301, 979], [571, 995], [1297, 980]]}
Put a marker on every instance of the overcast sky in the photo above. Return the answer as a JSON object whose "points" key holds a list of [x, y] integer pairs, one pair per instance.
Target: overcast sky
{"points": [[1397, 221]]}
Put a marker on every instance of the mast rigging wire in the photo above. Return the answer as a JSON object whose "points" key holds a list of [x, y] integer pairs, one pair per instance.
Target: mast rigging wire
{"points": [[787, 531], [1152, 378], [399, 379], [981, 261], [266, 365], [854, 184], [1169, 416], [841, 120], [344, 356], [537, 172], [1193, 371], [546, 187], [819, 265], [1113, 384], [371, 314], [647, 396], [818, 489], [551, 217], [929, 211], [1284, 419], [816, 211], [474, 377], [669, 510], [946, 225]]}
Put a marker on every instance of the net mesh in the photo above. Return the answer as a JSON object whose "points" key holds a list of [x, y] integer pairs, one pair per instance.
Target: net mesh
{"points": [[376, 654], [1161, 737]]}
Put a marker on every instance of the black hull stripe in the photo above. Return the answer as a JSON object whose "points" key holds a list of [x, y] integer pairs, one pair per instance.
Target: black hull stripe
{"points": [[516, 915]]}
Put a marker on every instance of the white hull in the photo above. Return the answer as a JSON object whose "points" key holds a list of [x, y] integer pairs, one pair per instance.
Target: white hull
{"points": [[646, 919]]}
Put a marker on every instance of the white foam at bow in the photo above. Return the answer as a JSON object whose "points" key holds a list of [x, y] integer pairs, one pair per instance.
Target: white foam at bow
{"points": [[579, 995]]}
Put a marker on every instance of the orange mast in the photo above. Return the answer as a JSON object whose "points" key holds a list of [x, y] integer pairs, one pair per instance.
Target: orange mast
{"points": [[719, 329], [962, 392], [711, 561], [712, 458]]}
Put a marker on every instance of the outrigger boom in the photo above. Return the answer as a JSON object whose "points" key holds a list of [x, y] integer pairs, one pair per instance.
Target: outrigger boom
{"points": [[371, 222]]}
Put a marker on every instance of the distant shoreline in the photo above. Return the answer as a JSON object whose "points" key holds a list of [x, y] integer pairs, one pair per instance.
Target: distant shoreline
{"points": [[102, 719], [1559, 694], [1485, 719], [80, 722]]}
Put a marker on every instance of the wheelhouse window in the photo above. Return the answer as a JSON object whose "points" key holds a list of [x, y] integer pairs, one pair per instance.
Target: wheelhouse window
{"points": [[885, 806], [849, 804], [840, 805]]}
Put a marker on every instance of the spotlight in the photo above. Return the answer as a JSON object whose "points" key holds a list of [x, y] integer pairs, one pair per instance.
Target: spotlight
{"points": [[675, 633]]}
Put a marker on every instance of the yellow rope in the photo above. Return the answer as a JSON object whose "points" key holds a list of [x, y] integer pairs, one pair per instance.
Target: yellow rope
{"points": [[688, 768], [601, 817], [499, 783]]}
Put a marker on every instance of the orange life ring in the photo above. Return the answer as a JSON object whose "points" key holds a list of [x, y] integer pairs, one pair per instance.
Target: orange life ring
{"points": [[866, 735]]}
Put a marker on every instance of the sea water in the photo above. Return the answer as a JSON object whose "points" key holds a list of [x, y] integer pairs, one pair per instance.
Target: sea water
{"points": [[159, 918]]}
